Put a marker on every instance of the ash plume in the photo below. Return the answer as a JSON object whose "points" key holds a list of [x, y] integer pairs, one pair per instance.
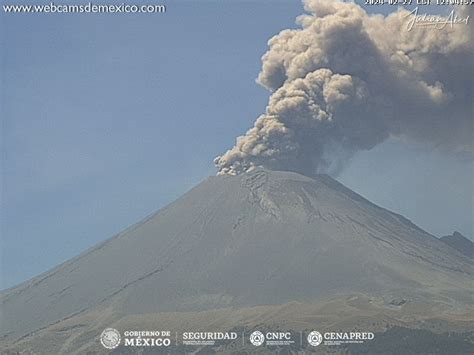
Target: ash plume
{"points": [[346, 81]]}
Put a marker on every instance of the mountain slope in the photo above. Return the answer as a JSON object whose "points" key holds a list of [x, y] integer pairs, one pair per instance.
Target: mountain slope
{"points": [[460, 243], [261, 238]]}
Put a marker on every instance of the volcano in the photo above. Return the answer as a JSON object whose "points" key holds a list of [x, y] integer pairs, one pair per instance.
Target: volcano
{"points": [[261, 247]]}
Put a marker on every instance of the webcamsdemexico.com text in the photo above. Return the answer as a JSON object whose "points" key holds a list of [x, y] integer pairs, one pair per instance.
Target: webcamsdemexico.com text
{"points": [[87, 8]]}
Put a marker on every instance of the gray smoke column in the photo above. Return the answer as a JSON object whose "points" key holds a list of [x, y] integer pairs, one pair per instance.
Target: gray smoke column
{"points": [[346, 81]]}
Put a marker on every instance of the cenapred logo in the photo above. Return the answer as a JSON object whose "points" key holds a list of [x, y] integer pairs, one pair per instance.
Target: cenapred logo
{"points": [[315, 338], [257, 338], [110, 338]]}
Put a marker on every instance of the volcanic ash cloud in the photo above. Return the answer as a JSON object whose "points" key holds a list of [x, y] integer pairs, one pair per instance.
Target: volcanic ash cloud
{"points": [[346, 81]]}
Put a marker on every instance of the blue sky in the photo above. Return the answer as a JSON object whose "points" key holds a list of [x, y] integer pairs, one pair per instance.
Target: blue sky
{"points": [[107, 118]]}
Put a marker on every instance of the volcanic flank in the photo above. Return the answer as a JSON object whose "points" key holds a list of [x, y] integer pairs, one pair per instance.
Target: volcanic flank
{"points": [[235, 249]]}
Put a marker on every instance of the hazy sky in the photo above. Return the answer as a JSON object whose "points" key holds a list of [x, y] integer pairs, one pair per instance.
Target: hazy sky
{"points": [[107, 118]]}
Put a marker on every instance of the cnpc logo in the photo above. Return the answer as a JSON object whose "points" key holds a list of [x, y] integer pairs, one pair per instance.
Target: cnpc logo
{"points": [[257, 338]]}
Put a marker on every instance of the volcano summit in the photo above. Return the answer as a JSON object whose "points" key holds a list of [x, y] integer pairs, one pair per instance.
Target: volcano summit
{"points": [[263, 247]]}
